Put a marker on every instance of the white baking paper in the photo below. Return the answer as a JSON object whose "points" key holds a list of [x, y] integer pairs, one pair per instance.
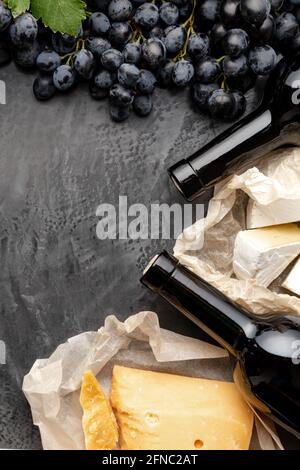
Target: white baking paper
{"points": [[207, 246], [52, 386]]}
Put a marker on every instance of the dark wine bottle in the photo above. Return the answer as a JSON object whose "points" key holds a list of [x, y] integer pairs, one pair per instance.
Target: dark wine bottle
{"points": [[266, 349], [266, 128]]}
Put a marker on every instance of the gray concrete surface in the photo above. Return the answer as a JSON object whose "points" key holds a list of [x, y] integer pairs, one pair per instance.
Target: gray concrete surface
{"points": [[58, 161]]}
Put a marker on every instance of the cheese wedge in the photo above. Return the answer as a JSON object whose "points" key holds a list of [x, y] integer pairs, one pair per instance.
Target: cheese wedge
{"points": [[264, 253], [282, 211], [98, 421], [292, 282], [158, 411]]}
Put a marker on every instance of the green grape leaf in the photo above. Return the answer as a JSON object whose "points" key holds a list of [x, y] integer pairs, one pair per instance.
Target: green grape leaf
{"points": [[18, 6], [64, 16]]}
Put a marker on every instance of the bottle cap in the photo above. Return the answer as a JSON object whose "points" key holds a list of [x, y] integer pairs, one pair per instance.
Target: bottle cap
{"points": [[159, 271], [186, 180]]}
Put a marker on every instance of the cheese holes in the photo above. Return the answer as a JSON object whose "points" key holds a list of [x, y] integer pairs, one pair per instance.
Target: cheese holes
{"points": [[198, 444]]}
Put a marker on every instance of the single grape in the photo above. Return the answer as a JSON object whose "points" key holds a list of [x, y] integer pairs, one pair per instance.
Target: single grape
{"points": [[165, 74], [120, 10], [26, 57], [242, 83], [120, 96], [5, 17], [230, 13], [153, 53], [142, 105], [201, 93], [97, 46], [240, 105], [96, 92], [286, 27], [146, 16], [48, 61], [120, 34], [183, 73], [169, 13], [185, 11], [101, 5], [221, 104], [132, 53], [43, 87], [157, 33], [99, 24], [174, 40], [104, 79], [217, 33], [111, 59], [24, 30], [119, 114], [5, 55], [207, 70], [264, 33], [208, 14], [255, 11], [198, 45], [63, 78], [147, 81], [84, 63], [262, 59], [63, 43], [235, 42], [128, 75], [235, 67]]}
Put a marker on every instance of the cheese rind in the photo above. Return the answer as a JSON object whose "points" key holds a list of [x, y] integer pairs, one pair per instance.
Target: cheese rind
{"points": [[98, 421], [158, 411], [282, 211], [292, 282], [263, 254]]}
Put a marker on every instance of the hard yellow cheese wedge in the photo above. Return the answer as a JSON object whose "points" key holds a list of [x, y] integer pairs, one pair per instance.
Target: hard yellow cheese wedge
{"points": [[164, 411], [99, 423]]}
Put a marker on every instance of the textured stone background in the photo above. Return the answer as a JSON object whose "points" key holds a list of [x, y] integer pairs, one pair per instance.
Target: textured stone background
{"points": [[58, 162]]}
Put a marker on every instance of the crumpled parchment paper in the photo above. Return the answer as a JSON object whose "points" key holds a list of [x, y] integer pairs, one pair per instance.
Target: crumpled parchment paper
{"points": [[52, 386], [207, 246]]}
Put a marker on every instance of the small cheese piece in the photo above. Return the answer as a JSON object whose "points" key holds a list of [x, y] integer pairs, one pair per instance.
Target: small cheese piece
{"points": [[292, 282], [158, 411], [282, 211], [264, 253], [98, 421]]}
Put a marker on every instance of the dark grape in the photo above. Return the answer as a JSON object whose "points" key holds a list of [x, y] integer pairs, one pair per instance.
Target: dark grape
{"points": [[207, 70], [24, 30], [169, 13], [120, 96], [146, 15], [209, 11], [157, 33], [128, 75], [104, 79], [142, 105], [120, 34], [132, 53], [153, 53], [198, 45], [63, 78], [96, 92], [99, 23], [183, 73], [43, 87], [255, 11], [5, 17], [146, 82], [120, 10], [240, 104], [48, 61], [26, 57], [242, 83], [101, 5], [235, 42], [165, 74], [5, 56], [230, 13], [63, 43], [221, 104], [235, 67], [84, 63], [97, 46], [174, 40], [264, 33], [262, 59], [111, 59], [286, 27], [201, 93]]}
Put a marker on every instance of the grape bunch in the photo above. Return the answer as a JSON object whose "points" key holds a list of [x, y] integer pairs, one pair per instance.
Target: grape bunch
{"points": [[127, 48]]}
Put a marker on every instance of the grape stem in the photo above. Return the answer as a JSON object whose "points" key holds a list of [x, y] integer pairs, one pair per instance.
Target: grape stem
{"points": [[188, 25]]}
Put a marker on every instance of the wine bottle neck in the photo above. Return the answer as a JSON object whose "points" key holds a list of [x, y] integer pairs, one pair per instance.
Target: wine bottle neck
{"points": [[200, 302]]}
